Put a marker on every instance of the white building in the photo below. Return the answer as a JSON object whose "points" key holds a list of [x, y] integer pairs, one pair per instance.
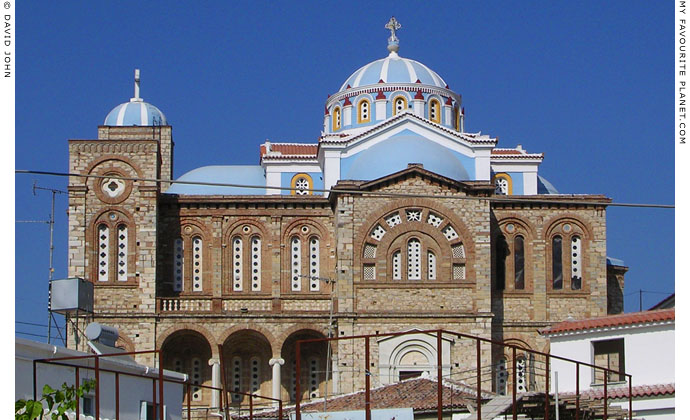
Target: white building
{"points": [[135, 392], [640, 344]]}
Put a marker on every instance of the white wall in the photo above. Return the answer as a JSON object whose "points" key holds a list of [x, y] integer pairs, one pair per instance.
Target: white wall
{"points": [[649, 355], [132, 389]]}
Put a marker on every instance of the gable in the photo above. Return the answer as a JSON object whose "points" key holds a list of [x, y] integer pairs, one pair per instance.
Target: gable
{"points": [[393, 153]]}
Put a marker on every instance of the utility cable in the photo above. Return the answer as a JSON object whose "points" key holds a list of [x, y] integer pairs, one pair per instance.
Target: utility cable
{"points": [[358, 192]]}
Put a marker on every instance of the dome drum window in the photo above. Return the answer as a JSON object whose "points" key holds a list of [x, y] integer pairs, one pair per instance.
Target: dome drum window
{"points": [[336, 119], [435, 111], [399, 105], [364, 111]]}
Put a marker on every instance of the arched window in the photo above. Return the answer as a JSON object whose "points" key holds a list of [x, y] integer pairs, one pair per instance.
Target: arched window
{"points": [[396, 264], [301, 184], [112, 248], [196, 379], [256, 263], [313, 377], [237, 263], [576, 262], [456, 113], [399, 104], [188, 261], [431, 261], [255, 373], [435, 111], [364, 111], [414, 250], [503, 184], [519, 262], [236, 378], [314, 263], [501, 255], [336, 119], [296, 263], [502, 376], [557, 262]]}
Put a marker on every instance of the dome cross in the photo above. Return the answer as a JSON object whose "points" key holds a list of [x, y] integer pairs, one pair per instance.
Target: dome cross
{"points": [[393, 41]]}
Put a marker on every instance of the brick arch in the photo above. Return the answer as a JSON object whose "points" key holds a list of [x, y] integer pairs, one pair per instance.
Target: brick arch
{"points": [[105, 158], [553, 222], [286, 334], [323, 231], [448, 214], [516, 219], [124, 341], [227, 232], [228, 332], [193, 221], [181, 328]]}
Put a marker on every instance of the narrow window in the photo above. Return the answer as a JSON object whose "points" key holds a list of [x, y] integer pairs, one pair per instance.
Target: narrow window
{"points": [[256, 374], [256, 263], [502, 376], [313, 378], [122, 253], [576, 269], [314, 263], [414, 250], [501, 255], [399, 105], [336, 119], [396, 266], [435, 111], [197, 263], [519, 262], [179, 265], [103, 252], [521, 373], [237, 264], [557, 262], [363, 112], [457, 118], [296, 263], [196, 379], [236, 378], [431, 257], [502, 185]]}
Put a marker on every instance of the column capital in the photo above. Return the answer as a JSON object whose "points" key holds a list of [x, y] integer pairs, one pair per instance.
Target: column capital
{"points": [[279, 360], [213, 361]]}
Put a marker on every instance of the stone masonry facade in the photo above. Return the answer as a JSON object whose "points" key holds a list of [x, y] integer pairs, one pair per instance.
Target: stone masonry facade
{"points": [[211, 278]]}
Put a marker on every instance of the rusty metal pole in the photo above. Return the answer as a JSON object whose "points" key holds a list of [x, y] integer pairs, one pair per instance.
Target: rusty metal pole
{"points": [[367, 396], [439, 373], [160, 385], [546, 392], [189, 401], [630, 397], [98, 392], [153, 381], [34, 380], [606, 393], [280, 410], [298, 377], [577, 391], [514, 383], [76, 386], [479, 379], [251, 406], [117, 396]]}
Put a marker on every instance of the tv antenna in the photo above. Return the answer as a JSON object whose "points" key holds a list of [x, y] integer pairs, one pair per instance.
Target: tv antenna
{"points": [[51, 269]]}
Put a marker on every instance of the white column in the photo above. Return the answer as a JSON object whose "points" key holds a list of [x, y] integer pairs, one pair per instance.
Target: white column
{"points": [[418, 107], [347, 116], [215, 382], [276, 363], [448, 116]]}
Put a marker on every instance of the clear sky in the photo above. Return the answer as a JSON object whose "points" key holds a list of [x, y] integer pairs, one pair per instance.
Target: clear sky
{"points": [[588, 83]]}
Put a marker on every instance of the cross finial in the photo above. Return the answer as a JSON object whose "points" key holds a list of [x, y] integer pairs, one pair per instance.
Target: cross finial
{"points": [[393, 41], [136, 87]]}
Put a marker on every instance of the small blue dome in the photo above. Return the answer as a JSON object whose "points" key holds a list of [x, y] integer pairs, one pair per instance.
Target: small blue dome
{"points": [[135, 112], [393, 69]]}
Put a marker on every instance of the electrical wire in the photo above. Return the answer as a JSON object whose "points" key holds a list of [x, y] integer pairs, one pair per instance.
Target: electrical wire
{"points": [[36, 325], [359, 192]]}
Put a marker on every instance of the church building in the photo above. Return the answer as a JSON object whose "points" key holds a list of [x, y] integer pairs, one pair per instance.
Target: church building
{"points": [[394, 219]]}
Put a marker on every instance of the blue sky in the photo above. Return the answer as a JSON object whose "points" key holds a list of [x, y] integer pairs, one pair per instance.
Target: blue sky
{"points": [[589, 84]]}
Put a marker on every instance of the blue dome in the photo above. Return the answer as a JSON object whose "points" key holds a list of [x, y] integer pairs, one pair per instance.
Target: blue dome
{"points": [[393, 69], [135, 112], [236, 174]]}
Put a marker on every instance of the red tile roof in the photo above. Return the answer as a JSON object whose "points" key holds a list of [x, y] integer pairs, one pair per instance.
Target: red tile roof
{"points": [[639, 391], [418, 393], [289, 150], [621, 320]]}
